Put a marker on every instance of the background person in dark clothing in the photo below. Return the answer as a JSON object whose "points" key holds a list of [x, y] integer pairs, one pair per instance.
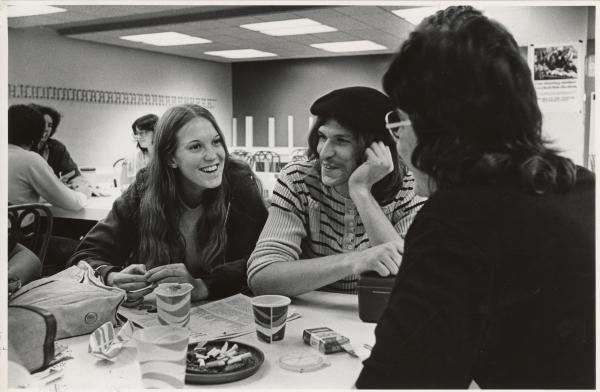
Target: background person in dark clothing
{"points": [[53, 151], [497, 282]]}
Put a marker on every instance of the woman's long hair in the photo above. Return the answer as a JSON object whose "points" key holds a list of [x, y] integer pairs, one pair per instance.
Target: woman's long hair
{"points": [[470, 97], [160, 210]]}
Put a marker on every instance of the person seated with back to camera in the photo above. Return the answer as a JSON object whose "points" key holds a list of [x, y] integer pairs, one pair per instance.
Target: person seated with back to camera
{"points": [[56, 153], [143, 133], [193, 215], [343, 212], [498, 279], [30, 179], [29, 175]]}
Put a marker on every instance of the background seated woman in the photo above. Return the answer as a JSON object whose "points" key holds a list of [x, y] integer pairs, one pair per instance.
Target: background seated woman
{"points": [[143, 133], [193, 215], [56, 153]]}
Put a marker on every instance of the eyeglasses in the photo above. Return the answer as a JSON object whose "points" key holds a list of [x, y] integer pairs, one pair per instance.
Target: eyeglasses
{"points": [[141, 133], [394, 122]]}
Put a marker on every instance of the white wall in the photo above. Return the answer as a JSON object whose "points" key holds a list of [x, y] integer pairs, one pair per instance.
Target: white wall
{"points": [[97, 134]]}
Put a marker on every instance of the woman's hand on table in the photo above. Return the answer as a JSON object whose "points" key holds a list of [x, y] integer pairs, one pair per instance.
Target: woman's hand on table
{"points": [[132, 280], [177, 273]]}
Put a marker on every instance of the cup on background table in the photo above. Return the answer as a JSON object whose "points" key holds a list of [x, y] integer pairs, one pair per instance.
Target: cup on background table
{"points": [[270, 314], [162, 353], [173, 303]]}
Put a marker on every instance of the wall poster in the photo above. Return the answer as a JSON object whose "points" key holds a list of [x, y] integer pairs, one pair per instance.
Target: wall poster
{"points": [[558, 72]]}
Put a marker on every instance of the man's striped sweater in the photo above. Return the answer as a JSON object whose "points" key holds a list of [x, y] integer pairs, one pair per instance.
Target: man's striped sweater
{"points": [[308, 219]]}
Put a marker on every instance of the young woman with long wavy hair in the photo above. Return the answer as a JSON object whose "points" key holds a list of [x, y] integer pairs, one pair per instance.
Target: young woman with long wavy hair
{"points": [[193, 215]]}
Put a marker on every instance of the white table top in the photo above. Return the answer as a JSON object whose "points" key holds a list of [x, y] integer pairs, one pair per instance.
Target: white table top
{"points": [[96, 209], [336, 311]]}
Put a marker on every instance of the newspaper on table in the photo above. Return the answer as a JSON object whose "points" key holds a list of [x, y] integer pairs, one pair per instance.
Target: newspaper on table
{"points": [[223, 319]]}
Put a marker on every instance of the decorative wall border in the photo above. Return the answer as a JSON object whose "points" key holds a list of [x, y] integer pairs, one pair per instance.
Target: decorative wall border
{"points": [[26, 91]]}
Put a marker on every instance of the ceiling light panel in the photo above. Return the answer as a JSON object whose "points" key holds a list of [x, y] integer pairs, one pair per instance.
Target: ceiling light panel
{"points": [[169, 38], [299, 30], [416, 15], [349, 46], [289, 27], [240, 53], [20, 10]]}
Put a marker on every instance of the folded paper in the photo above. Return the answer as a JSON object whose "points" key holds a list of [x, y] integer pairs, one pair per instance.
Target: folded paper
{"points": [[105, 344]]}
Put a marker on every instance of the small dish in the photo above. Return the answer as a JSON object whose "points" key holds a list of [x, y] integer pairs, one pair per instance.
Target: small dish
{"points": [[238, 371]]}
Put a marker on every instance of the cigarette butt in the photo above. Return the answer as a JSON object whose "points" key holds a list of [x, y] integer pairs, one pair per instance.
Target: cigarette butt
{"points": [[224, 348], [239, 358], [215, 364], [232, 351]]}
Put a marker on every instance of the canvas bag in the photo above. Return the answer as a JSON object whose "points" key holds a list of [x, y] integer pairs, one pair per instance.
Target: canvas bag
{"points": [[31, 334], [77, 298]]}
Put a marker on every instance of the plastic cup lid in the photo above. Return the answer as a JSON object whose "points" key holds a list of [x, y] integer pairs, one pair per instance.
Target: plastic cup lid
{"points": [[302, 362]]}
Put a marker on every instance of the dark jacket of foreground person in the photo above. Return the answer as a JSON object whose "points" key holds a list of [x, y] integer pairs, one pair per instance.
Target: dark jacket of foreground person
{"points": [[496, 286]]}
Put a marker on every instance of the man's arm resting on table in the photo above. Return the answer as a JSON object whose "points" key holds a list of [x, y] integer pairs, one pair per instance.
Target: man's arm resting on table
{"points": [[301, 276]]}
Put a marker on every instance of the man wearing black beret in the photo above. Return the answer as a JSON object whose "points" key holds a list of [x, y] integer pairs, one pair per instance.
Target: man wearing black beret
{"points": [[343, 212]]}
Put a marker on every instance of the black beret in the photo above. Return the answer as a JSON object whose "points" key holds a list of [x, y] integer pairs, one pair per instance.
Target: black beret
{"points": [[361, 109]]}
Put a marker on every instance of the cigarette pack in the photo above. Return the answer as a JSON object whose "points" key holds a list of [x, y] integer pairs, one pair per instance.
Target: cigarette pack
{"points": [[325, 339]]}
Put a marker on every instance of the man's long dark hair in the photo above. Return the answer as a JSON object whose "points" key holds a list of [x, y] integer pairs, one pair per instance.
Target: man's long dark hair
{"points": [[470, 97], [385, 189]]}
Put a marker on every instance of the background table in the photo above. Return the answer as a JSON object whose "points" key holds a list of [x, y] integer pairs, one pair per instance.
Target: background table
{"points": [[337, 311], [75, 224], [97, 208]]}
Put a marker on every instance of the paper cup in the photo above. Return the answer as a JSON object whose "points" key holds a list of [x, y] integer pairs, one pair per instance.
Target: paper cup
{"points": [[162, 355], [270, 314], [173, 303]]}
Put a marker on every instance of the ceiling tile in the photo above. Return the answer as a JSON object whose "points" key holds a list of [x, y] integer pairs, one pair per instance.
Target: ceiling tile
{"points": [[375, 23]]}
